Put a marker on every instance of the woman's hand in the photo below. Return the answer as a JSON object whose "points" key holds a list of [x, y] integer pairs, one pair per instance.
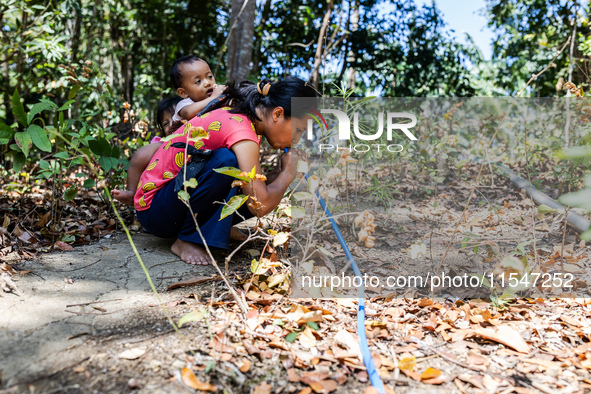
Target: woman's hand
{"points": [[289, 161]]}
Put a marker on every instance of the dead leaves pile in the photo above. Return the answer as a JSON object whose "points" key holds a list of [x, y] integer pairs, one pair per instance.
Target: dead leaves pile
{"points": [[28, 225], [534, 345]]}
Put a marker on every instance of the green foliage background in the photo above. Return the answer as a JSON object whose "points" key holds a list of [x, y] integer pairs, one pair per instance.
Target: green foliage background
{"points": [[88, 58]]}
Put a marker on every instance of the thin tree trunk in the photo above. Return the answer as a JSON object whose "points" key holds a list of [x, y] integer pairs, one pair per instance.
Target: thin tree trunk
{"points": [[256, 67], [319, 45], [241, 40], [20, 57]]}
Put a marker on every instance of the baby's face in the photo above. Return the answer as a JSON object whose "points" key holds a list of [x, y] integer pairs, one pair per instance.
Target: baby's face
{"points": [[198, 81], [166, 122]]}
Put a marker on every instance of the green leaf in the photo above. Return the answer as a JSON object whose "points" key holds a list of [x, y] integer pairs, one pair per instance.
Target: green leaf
{"points": [[62, 155], [100, 147], [254, 266], [171, 137], [191, 183], [105, 163], [233, 172], [89, 183], [313, 325], [209, 365], [115, 152], [67, 238], [544, 209], [198, 133], [252, 172], [23, 140], [183, 195], [41, 106], [192, 316], [71, 193], [39, 138], [108, 136], [73, 92], [66, 105], [232, 205], [278, 322], [18, 110], [291, 337], [18, 161], [43, 164], [6, 133]]}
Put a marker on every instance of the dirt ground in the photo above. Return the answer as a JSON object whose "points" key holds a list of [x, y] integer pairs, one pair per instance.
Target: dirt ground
{"points": [[79, 310], [87, 320]]}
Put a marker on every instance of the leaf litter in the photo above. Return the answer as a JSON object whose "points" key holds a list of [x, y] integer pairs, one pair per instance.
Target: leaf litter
{"points": [[522, 345]]}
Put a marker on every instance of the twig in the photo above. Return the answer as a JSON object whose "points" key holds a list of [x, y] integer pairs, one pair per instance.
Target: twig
{"points": [[75, 269], [94, 302], [563, 239]]}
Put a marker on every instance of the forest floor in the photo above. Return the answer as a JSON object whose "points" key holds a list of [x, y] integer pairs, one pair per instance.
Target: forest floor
{"points": [[84, 319]]}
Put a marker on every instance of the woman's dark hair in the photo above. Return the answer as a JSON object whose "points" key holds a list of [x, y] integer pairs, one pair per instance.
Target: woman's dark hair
{"points": [[247, 98], [166, 105], [176, 77]]}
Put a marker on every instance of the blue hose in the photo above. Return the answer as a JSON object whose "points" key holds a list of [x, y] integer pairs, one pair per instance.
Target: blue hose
{"points": [[374, 376]]}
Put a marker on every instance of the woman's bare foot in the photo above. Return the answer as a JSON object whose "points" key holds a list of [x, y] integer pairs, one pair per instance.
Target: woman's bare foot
{"points": [[190, 253], [237, 235], [125, 196]]}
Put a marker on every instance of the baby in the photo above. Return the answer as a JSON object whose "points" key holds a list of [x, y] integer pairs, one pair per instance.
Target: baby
{"points": [[194, 82]]}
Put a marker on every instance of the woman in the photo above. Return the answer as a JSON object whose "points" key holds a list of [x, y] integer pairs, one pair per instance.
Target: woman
{"points": [[258, 110]]}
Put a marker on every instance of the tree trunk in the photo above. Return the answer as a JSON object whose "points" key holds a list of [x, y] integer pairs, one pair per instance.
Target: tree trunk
{"points": [[256, 67], [74, 26], [241, 40], [320, 46]]}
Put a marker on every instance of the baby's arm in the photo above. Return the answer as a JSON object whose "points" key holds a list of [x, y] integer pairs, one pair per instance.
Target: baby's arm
{"points": [[138, 163], [190, 111]]}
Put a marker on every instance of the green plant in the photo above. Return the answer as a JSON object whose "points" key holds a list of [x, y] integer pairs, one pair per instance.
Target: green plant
{"points": [[382, 190]]}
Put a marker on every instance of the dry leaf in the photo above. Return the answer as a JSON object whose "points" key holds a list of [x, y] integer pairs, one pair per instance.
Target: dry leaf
{"points": [[437, 380], [307, 338], [132, 354], [317, 387], [191, 381], [263, 388], [292, 375], [63, 246], [328, 385], [250, 347], [245, 365], [314, 316], [425, 302], [407, 362], [345, 339], [312, 377], [430, 373], [505, 335]]}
